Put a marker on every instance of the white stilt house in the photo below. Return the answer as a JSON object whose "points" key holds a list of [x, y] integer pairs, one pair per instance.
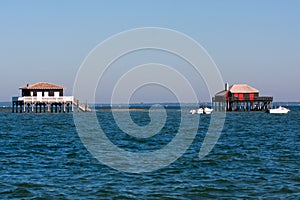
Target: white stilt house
{"points": [[42, 97]]}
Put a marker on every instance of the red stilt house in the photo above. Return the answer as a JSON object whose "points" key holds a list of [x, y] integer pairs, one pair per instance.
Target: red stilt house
{"points": [[240, 97]]}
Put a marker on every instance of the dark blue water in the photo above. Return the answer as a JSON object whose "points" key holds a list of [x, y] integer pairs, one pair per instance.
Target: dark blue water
{"points": [[257, 155]]}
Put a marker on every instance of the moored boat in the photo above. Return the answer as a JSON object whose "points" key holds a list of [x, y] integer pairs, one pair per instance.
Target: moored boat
{"points": [[279, 110], [204, 110]]}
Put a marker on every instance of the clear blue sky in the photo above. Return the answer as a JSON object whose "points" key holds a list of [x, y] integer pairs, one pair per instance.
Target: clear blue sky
{"points": [[254, 42]]}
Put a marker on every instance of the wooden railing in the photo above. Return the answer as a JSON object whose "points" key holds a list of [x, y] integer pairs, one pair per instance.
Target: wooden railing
{"points": [[231, 99], [44, 99], [81, 106], [253, 99]]}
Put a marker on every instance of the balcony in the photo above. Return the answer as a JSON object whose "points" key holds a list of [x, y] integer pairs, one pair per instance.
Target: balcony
{"points": [[256, 99], [35, 99]]}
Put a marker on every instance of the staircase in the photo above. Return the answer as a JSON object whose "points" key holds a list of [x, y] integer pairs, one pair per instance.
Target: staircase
{"points": [[81, 106]]}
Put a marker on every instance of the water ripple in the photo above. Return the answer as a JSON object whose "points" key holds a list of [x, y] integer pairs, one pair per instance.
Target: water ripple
{"points": [[257, 156]]}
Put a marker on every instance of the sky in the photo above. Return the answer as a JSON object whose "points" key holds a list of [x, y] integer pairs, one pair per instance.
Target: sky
{"points": [[252, 42]]}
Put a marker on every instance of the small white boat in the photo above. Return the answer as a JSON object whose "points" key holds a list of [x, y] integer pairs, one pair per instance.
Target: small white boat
{"points": [[279, 110], [204, 110]]}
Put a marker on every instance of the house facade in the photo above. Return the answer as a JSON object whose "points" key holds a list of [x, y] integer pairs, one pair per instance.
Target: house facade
{"points": [[42, 89]]}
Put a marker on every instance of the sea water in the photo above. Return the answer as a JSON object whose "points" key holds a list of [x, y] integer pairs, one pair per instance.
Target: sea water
{"points": [[257, 155]]}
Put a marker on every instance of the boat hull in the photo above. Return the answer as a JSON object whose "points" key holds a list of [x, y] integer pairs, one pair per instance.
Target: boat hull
{"points": [[280, 110], [201, 111]]}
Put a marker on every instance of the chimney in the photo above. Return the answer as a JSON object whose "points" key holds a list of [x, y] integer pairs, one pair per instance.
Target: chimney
{"points": [[27, 84], [226, 86]]}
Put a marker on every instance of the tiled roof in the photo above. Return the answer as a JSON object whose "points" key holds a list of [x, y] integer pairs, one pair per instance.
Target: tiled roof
{"points": [[42, 85], [242, 88]]}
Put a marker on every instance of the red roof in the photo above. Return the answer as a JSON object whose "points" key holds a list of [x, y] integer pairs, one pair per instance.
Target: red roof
{"points": [[242, 88], [42, 85], [238, 88]]}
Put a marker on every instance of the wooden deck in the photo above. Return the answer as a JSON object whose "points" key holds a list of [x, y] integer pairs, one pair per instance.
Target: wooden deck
{"points": [[47, 104], [245, 104]]}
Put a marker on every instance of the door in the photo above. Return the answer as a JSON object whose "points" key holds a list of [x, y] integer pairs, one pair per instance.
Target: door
{"points": [[241, 97], [39, 96], [56, 94], [46, 94], [251, 97]]}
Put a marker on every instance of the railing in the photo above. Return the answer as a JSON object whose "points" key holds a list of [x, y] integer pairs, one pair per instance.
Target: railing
{"points": [[63, 99], [253, 99], [44, 99], [81, 106]]}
